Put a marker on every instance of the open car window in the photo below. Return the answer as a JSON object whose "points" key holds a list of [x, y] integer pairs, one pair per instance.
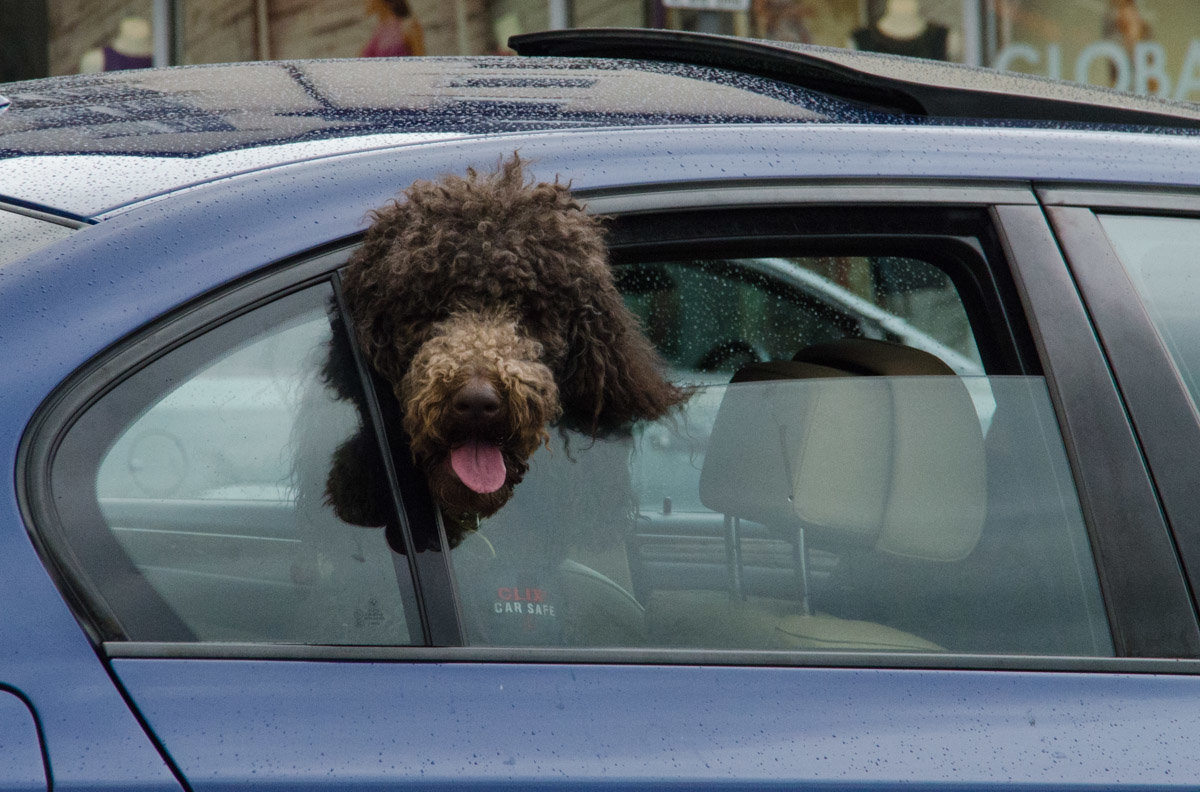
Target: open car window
{"points": [[845, 477]]}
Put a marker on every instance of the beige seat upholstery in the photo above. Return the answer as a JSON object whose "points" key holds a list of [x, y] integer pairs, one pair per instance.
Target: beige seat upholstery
{"points": [[894, 461], [712, 620], [858, 445]]}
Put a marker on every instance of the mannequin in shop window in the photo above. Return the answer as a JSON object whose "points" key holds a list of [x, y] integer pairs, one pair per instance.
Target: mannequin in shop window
{"points": [[1125, 24], [782, 20], [902, 30], [133, 48], [398, 32]]}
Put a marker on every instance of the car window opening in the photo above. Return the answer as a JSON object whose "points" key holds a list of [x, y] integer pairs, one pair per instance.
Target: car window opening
{"points": [[846, 477]]}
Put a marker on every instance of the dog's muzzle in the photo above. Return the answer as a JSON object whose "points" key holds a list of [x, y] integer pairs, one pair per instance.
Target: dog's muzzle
{"points": [[477, 461]]}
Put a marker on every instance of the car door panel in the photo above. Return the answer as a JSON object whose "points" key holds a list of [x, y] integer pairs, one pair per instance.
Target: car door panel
{"points": [[93, 740], [536, 726], [21, 766]]}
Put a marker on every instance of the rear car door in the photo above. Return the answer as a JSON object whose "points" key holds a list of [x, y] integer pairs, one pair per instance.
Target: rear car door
{"points": [[980, 593], [22, 767]]}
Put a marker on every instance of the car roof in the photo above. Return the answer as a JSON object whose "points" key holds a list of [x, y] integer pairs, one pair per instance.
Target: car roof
{"points": [[85, 145]]}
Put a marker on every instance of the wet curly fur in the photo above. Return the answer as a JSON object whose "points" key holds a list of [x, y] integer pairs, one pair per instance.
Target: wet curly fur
{"points": [[489, 290]]}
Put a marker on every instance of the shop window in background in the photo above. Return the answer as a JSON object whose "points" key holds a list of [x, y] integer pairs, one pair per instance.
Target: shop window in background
{"points": [[131, 48], [513, 17], [98, 36], [904, 28], [23, 40], [397, 32], [925, 28], [1144, 46]]}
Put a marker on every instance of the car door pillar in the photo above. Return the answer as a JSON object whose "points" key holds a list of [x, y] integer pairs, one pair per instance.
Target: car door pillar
{"points": [[1131, 540]]}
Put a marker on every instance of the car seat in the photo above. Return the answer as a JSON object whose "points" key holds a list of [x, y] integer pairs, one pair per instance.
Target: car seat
{"points": [[855, 445]]}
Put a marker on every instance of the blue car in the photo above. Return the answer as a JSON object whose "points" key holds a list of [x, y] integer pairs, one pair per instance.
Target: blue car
{"points": [[929, 519]]}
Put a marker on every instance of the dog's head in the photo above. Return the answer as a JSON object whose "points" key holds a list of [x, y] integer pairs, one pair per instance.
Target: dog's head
{"points": [[488, 304], [477, 398]]}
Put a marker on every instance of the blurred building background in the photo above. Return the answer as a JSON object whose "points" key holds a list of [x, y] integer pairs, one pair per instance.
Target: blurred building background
{"points": [[1146, 46]]}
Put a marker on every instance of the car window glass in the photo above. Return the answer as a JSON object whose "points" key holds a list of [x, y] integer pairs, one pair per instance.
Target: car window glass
{"points": [[709, 316], [799, 506], [200, 482], [1160, 255]]}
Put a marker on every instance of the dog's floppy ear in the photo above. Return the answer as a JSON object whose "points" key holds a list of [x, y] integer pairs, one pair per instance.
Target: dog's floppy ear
{"points": [[613, 375]]}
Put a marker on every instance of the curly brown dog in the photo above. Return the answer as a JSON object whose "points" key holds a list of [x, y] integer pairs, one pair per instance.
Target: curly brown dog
{"points": [[488, 304]]}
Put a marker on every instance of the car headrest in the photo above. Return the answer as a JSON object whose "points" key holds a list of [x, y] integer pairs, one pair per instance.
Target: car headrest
{"points": [[869, 357], [832, 443]]}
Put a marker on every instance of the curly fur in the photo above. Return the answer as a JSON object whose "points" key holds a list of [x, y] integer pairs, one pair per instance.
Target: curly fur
{"points": [[491, 282]]}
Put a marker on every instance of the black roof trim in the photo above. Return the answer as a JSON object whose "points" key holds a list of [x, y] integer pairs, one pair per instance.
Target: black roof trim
{"points": [[938, 89]]}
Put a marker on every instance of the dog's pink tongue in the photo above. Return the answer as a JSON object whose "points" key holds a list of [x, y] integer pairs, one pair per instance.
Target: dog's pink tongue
{"points": [[479, 465]]}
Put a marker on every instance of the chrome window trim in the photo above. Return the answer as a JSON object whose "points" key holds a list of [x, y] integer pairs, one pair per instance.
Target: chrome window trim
{"points": [[856, 192], [1121, 198], [647, 656]]}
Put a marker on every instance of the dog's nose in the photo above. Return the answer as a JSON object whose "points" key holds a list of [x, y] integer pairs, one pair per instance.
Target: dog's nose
{"points": [[476, 401]]}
